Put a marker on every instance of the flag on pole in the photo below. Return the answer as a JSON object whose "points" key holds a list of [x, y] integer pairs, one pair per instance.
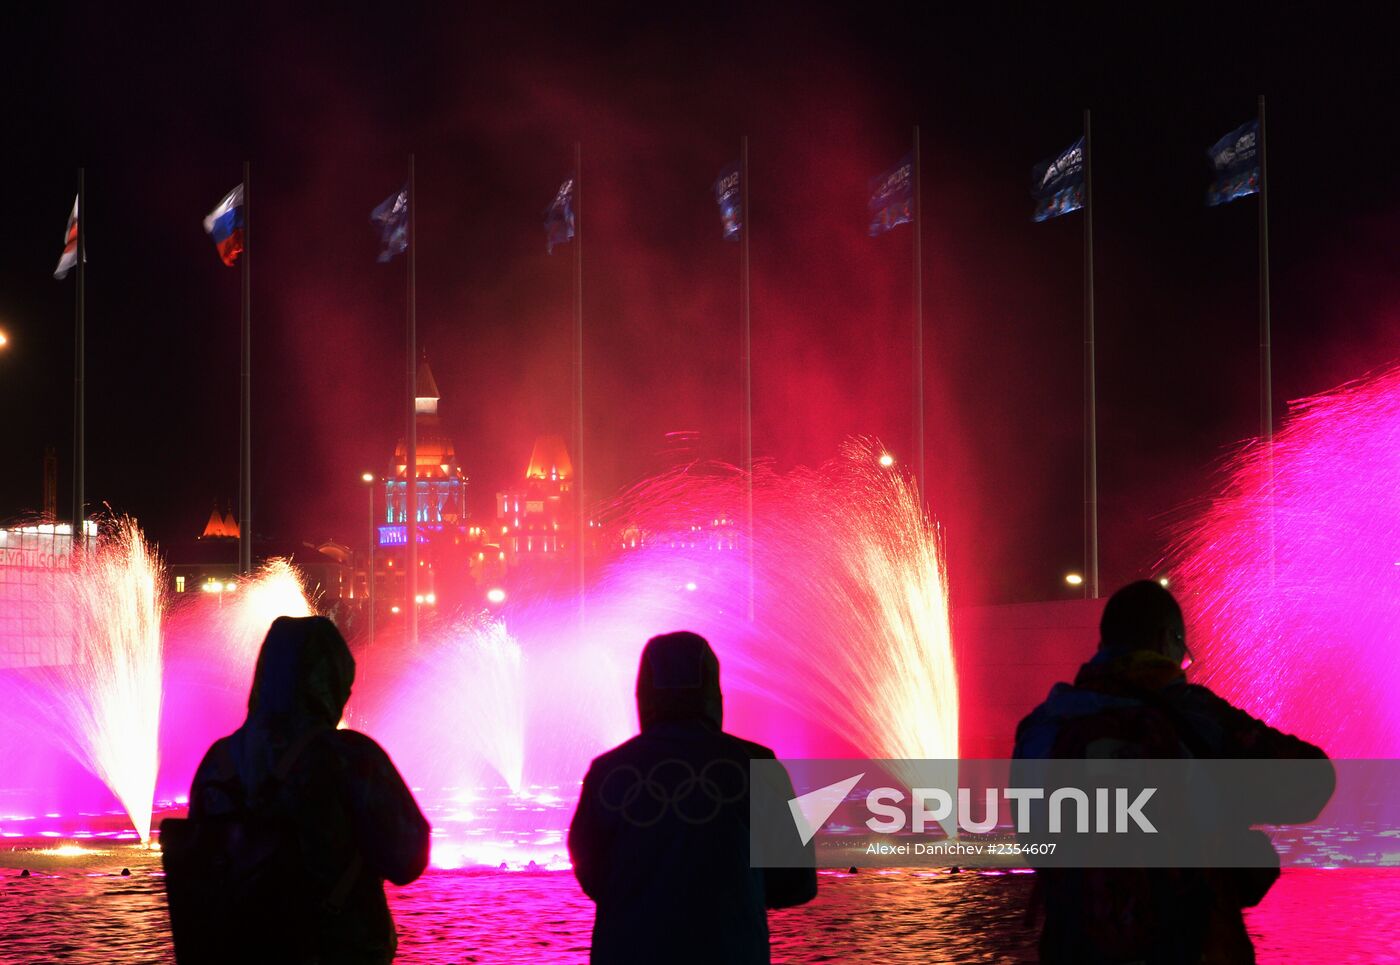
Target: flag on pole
{"points": [[1236, 160], [225, 226], [69, 258], [559, 217], [729, 195], [392, 218], [892, 197], [1057, 183]]}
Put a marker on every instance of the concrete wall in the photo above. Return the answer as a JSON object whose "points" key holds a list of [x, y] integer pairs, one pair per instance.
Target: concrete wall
{"points": [[1008, 657]]}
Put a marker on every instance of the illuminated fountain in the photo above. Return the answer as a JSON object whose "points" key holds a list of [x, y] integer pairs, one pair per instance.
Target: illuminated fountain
{"points": [[848, 651], [495, 718], [211, 649], [1291, 576], [101, 700], [850, 630]]}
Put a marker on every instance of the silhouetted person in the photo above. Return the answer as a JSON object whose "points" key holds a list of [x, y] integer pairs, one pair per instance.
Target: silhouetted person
{"points": [[660, 840], [293, 825], [1132, 700]]}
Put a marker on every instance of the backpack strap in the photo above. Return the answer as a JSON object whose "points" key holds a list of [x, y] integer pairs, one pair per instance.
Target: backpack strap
{"points": [[341, 891], [333, 901], [290, 755]]}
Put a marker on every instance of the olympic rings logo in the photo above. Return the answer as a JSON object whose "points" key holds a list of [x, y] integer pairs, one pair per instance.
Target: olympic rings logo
{"points": [[673, 786]]}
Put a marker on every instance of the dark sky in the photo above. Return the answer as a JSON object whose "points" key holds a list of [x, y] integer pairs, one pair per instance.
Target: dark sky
{"points": [[163, 109]]}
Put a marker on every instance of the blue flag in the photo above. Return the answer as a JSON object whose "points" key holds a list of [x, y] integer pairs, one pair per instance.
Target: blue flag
{"points": [[892, 197], [729, 195], [1057, 183], [392, 218], [1236, 160], [559, 217]]}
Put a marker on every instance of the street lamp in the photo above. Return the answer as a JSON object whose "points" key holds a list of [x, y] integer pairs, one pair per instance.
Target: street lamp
{"points": [[368, 479]]}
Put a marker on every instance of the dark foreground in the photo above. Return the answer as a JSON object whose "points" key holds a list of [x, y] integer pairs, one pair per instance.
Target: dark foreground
{"points": [[79, 910]]}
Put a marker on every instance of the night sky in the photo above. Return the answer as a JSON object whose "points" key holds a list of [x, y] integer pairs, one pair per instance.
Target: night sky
{"points": [[163, 109]]}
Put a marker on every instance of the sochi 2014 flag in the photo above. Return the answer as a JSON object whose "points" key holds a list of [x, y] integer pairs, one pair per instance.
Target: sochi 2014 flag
{"points": [[392, 217], [225, 226], [1236, 160], [69, 258], [559, 217], [1057, 183], [892, 197], [729, 195]]}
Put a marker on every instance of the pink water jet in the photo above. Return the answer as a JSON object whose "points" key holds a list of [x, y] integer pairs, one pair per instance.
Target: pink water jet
{"points": [[847, 653], [101, 699], [1291, 575], [211, 648], [494, 718]]}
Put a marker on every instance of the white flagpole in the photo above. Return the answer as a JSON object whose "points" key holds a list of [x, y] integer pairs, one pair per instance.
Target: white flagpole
{"points": [[1091, 450]]}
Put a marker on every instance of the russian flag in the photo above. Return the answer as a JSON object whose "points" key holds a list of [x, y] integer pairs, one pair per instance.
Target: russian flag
{"points": [[225, 225], [69, 258]]}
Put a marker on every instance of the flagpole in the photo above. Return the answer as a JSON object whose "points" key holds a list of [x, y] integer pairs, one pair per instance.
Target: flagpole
{"points": [[411, 439], [1266, 391], [918, 325], [746, 361], [245, 446], [579, 511], [79, 535], [1266, 416], [1091, 453]]}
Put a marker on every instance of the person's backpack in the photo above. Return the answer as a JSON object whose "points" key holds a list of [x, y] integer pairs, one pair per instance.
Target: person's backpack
{"points": [[234, 881], [1119, 915]]}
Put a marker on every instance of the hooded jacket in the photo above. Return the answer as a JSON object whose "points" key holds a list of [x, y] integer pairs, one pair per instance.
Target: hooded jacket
{"points": [[660, 840], [356, 823]]}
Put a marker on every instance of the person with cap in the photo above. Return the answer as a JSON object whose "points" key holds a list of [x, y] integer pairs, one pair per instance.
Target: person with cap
{"points": [[1132, 700], [660, 840]]}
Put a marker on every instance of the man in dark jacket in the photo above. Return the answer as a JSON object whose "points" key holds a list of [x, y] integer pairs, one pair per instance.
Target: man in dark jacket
{"points": [[340, 815], [1132, 700], [660, 840]]}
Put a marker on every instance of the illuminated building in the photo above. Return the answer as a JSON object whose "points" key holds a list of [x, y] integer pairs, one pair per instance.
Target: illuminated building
{"points": [[30, 558], [209, 562], [447, 542], [535, 519]]}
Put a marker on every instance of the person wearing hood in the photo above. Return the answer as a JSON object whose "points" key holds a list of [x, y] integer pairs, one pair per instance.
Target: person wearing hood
{"points": [[1132, 700], [326, 803], [660, 840]]}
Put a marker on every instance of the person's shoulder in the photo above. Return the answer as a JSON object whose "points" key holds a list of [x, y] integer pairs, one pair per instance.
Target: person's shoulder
{"points": [[1194, 696], [355, 747], [217, 760], [625, 753], [750, 749]]}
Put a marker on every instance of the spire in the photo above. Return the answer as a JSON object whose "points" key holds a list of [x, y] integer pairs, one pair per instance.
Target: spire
{"points": [[550, 460], [214, 529], [426, 394]]}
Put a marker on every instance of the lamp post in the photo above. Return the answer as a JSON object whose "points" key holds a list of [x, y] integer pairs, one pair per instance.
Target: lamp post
{"points": [[368, 478]]}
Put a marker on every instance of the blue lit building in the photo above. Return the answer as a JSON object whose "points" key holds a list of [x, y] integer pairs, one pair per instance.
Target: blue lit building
{"points": [[445, 537]]}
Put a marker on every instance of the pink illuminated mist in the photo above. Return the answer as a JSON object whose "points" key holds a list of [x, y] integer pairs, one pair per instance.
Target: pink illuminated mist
{"points": [[494, 718], [848, 650], [1291, 577]]}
